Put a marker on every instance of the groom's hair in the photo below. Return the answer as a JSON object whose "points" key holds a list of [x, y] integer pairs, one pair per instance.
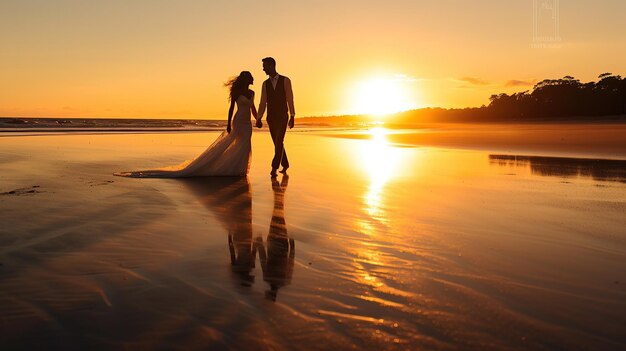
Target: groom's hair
{"points": [[270, 61]]}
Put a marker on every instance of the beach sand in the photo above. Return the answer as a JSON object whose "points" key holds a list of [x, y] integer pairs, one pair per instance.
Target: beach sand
{"points": [[395, 246]]}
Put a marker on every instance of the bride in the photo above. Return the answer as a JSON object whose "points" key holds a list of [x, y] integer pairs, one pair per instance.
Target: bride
{"points": [[229, 155]]}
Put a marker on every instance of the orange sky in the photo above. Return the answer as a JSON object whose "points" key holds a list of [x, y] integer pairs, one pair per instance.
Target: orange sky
{"points": [[168, 59]]}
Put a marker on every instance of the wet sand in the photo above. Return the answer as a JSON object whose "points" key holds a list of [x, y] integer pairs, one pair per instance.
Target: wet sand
{"points": [[586, 140], [367, 245]]}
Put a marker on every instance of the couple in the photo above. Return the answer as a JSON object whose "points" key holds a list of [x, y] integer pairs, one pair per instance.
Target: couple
{"points": [[229, 155]]}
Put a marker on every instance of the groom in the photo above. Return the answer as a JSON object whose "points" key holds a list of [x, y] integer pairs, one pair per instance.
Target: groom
{"points": [[276, 93]]}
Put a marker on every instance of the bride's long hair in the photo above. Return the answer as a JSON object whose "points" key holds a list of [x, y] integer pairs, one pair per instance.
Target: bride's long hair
{"points": [[239, 85]]}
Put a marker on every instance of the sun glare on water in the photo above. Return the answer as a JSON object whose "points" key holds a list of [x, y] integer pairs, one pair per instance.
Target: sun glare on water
{"points": [[380, 160], [383, 95]]}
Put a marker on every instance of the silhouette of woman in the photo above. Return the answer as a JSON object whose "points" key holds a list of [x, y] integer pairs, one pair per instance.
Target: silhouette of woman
{"points": [[230, 200], [229, 154]]}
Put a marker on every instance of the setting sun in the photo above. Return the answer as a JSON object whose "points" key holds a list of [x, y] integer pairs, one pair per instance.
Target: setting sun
{"points": [[383, 95]]}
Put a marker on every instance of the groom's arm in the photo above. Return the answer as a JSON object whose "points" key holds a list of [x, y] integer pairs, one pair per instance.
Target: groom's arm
{"points": [[262, 103], [289, 96]]}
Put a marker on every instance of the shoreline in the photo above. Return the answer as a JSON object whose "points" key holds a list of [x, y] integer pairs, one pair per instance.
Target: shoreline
{"points": [[586, 141], [605, 141]]}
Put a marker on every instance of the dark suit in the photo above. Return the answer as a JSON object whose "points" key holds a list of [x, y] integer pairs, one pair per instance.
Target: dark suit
{"points": [[277, 119]]}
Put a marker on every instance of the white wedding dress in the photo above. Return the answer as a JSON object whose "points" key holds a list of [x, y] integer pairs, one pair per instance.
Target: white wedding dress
{"points": [[229, 155]]}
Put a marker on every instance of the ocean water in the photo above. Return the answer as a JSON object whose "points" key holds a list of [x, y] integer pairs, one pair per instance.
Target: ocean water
{"points": [[30, 125]]}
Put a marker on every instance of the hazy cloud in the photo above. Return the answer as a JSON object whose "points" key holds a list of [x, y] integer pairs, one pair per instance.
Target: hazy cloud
{"points": [[473, 81], [520, 83], [404, 78]]}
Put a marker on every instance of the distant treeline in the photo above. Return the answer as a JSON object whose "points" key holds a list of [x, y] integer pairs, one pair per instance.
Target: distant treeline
{"points": [[550, 99]]}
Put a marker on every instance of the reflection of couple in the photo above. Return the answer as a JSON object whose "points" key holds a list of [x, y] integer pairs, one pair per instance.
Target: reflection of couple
{"points": [[229, 154], [277, 257], [229, 198]]}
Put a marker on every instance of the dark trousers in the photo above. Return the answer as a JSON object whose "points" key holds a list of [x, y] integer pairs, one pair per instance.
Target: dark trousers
{"points": [[278, 128]]}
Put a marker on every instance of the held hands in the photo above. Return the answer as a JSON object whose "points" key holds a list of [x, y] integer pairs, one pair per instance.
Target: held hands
{"points": [[259, 123]]}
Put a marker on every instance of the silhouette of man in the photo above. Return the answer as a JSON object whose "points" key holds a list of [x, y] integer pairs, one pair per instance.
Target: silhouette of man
{"points": [[278, 254], [277, 96]]}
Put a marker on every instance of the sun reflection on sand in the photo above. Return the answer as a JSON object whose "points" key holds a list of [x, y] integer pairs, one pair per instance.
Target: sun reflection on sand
{"points": [[380, 160]]}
